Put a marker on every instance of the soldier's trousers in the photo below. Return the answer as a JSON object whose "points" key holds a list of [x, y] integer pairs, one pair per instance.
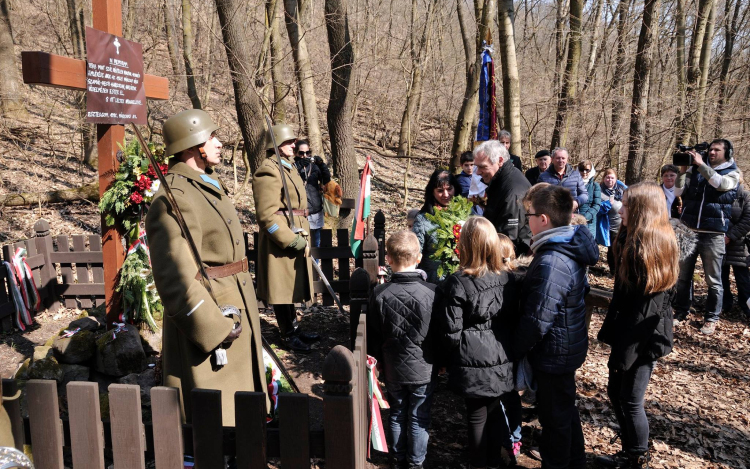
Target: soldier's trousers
{"points": [[286, 318]]}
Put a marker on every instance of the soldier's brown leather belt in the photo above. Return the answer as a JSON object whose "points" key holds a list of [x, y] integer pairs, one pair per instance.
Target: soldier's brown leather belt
{"points": [[299, 213], [225, 270]]}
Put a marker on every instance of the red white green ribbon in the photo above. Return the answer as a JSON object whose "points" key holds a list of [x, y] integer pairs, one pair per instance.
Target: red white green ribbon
{"points": [[376, 401]]}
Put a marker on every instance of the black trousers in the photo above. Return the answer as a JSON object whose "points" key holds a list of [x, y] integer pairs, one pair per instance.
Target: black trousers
{"points": [[627, 390], [286, 318], [486, 420], [562, 444]]}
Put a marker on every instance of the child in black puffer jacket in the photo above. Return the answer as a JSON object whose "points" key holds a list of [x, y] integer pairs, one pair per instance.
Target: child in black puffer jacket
{"points": [[472, 309]]}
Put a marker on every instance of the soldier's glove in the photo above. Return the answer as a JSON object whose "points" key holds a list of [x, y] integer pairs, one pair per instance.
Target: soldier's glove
{"points": [[318, 160], [299, 243]]}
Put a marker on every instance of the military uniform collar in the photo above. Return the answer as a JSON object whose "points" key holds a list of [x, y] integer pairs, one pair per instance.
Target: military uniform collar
{"points": [[285, 162], [181, 168]]}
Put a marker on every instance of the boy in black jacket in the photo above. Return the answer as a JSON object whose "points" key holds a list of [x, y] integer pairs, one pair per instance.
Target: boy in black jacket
{"points": [[398, 321]]}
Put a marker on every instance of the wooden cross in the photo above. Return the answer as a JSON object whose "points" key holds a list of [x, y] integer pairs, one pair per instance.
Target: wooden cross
{"points": [[41, 68]]}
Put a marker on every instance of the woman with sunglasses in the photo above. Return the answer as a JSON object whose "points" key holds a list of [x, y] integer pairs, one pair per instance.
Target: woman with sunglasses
{"points": [[590, 208], [315, 174]]}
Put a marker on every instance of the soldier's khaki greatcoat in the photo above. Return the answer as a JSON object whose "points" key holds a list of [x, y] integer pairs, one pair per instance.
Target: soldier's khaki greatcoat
{"points": [[283, 275], [193, 324]]}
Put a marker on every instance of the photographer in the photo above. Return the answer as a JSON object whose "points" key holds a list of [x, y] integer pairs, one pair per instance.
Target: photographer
{"points": [[315, 174], [708, 192]]}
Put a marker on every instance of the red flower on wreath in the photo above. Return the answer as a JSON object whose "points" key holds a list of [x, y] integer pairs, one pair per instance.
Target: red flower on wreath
{"points": [[143, 183], [457, 231], [136, 198], [457, 253]]}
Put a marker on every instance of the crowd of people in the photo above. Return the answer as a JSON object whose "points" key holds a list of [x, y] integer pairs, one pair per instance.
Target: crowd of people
{"points": [[512, 318]]}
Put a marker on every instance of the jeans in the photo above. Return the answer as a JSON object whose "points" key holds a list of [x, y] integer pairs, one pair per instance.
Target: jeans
{"points": [[492, 422], [315, 238], [409, 420], [742, 277], [562, 444], [626, 390], [711, 248]]}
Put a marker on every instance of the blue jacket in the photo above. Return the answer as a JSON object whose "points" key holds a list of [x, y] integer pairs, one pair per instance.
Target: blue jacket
{"points": [[591, 208], [705, 207], [465, 181], [571, 180], [552, 329]]}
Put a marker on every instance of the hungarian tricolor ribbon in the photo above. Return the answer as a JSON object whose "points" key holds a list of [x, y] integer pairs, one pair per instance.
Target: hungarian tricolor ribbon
{"points": [[68, 333], [119, 327], [375, 398], [361, 211]]}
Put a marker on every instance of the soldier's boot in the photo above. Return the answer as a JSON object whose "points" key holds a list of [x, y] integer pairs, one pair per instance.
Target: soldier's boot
{"points": [[293, 343]]}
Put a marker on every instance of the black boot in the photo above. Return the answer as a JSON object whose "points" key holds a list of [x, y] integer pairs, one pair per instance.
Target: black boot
{"points": [[293, 343], [307, 336], [639, 460], [618, 460]]}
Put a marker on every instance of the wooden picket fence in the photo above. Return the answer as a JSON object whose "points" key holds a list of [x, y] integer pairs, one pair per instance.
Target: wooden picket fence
{"points": [[87, 434]]}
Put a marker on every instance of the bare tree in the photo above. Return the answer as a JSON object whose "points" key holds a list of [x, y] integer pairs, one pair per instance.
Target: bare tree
{"points": [[511, 80], [483, 13], [570, 77], [277, 73], [172, 43], [128, 26], [187, 53], [11, 97], [703, 80], [340, 101], [636, 167], [617, 86], [297, 23], [731, 28], [687, 126], [239, 47]]}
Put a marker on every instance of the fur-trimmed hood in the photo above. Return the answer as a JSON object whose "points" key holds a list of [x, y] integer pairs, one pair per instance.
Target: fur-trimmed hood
{"points": [[687, 240]]}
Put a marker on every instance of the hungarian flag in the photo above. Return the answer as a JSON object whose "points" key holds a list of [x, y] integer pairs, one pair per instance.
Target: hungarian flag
{"points": [[487, 127], [361, 212]]}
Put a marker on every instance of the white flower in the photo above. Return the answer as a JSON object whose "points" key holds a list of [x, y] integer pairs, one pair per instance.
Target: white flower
{"points": [[152, 190]]}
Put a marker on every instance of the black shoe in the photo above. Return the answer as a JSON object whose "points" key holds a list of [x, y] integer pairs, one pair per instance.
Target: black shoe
{"points": [[308, 337], [639, 460], [294, 344], [619, 460]]}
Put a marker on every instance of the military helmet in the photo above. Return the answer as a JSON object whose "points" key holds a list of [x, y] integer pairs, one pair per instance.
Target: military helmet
{"points": [[282, 133], [187, 129]]}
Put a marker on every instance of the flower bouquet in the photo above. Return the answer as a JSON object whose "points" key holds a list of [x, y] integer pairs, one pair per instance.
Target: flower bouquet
{"points": [[449, 221], [135, 185], [140, 300]]}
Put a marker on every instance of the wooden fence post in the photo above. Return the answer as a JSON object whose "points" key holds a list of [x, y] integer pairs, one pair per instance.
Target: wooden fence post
{"points": [[370, 257], [250, 423], [168, 442], [379, 233], [339, 417], [45, 425], [208, 439], [128, 433], [359, 289], [86, 431], [44, 246]]}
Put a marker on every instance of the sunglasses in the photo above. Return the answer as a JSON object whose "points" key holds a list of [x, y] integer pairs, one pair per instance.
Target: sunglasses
{"points": [[586, 170], [305, 153]]}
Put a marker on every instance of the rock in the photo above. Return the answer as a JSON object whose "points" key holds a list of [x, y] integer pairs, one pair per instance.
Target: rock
{"points": [[102, 380], [145, 380], [76, 349], [22, 373], [121, 353], [46, 368], [74, 373], [151, 341], [41, 352], [88, 323]]}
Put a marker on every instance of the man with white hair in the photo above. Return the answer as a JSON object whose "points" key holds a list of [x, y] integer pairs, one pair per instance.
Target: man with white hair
{"points": [[504, 137], [506, 188]]}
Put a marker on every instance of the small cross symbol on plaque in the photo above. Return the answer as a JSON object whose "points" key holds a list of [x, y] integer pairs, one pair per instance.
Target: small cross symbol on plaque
{"points": [[42, 68], [117, 46]]}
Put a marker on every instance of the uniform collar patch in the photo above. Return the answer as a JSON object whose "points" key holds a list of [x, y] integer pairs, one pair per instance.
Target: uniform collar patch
{"points": [[211, 181], [287, 164]]}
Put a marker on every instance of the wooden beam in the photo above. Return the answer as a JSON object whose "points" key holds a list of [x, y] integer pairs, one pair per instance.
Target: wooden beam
{"points": [[42, 68]]}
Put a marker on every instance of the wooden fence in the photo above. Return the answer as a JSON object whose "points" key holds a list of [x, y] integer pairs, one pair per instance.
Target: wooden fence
{"points": [[342, 443]]}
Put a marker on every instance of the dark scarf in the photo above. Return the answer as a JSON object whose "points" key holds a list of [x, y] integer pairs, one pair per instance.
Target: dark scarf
{"points": [[615, 191]]}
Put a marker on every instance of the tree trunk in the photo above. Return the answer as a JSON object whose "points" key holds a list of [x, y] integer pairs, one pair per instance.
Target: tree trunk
{"points": [[462, 133], [703, 81], [636, 166], [208, 65], [172, 43], [687, 128], [681, 73], [618, 84], [340, 100], [297, 16], [730, 35], [128, 27], [559, 45], [187, 53], [570, 77], [511, 81], [239, 50], [77, 26], [419, 53], [87, 192], [11, 96], [277, 72]]}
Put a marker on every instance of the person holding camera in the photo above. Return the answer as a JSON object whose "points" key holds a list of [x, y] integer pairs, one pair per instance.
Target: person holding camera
{"points": [[708, 190], [315, 174]]}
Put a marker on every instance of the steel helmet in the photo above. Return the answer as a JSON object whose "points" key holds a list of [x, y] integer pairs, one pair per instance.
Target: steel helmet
{"points": [[187, 129], [282, 133]]}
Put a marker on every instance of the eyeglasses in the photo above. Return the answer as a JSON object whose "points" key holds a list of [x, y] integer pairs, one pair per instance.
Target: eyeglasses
{"points": [[529, 215], [586, 170]]}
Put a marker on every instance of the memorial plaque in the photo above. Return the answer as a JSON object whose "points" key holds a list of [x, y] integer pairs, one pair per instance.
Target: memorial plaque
{"points": [[114, 80]]}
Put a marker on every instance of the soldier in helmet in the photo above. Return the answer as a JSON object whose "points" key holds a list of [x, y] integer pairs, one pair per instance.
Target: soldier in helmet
{"points": [[284, 272], [198, 335]]}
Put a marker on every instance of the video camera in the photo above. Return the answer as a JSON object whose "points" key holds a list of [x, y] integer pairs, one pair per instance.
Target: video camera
{"points": [[683, 158]]}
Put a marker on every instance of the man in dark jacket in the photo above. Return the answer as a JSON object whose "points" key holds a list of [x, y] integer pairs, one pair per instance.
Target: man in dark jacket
{"points": [[504, 137], [552, 330], [315, 174], [737, 253], [398, 322], [560, 173], [542, 159], [505, 191]]}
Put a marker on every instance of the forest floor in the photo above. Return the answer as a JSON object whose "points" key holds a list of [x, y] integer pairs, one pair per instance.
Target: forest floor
{"points": [[697, 401]]}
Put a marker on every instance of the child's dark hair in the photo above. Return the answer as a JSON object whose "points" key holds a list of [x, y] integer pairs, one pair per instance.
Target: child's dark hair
{"points": [[467, 157], [554, 201]]}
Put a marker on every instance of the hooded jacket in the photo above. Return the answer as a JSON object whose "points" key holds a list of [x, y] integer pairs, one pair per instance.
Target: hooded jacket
{"points": [[552, 327], [313, 176], [474, 316], [504, 208], [591, 208], [398, 325], [571, 180], [739, 227]]}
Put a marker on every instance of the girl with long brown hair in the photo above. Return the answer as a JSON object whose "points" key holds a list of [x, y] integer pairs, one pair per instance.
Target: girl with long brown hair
{"points": [[473, 309], [638, 325]]}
